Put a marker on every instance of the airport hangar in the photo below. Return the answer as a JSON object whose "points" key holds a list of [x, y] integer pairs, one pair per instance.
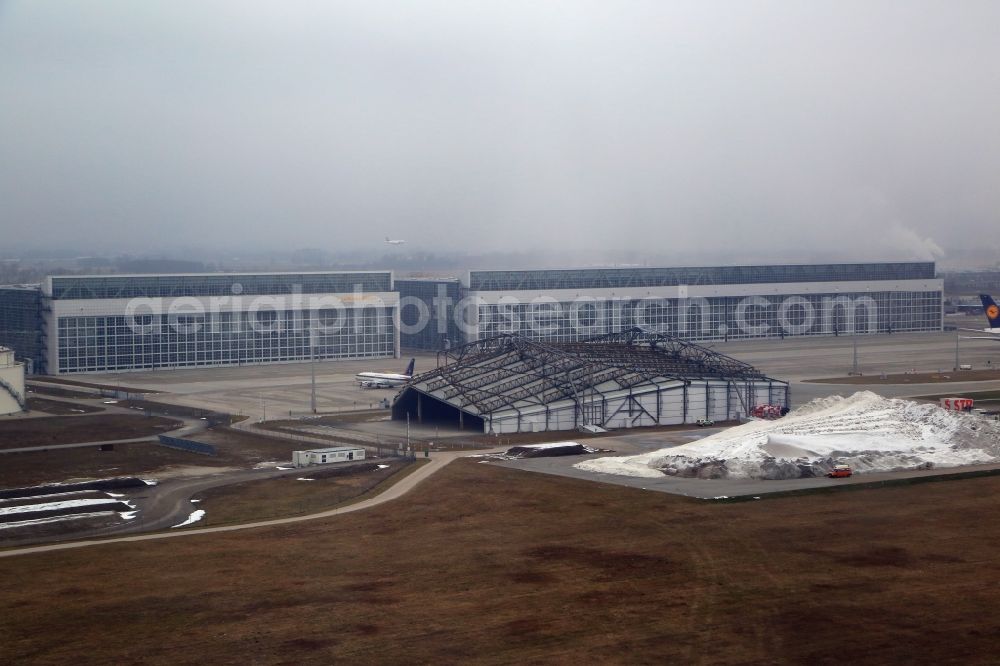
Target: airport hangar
{"points": [[698, 304], [634, 378], [73, 324], [119, 323]]}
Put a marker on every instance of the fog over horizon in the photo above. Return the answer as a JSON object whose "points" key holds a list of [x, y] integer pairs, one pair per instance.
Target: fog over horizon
{"points": [[687, 132]]}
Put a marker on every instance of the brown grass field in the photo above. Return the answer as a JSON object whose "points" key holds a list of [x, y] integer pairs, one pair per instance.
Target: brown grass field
{"points": [[235, 448], [54, 466], [60, 407], [288, 496], [483, 564], [85, 428]]}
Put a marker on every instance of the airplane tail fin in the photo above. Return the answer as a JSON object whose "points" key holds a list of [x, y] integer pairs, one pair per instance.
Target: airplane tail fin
{"points": [[991, 310], [409, 368]]}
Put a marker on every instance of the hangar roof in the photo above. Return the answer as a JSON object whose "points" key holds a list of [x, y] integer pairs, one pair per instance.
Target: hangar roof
{"points": [[510, 371]]}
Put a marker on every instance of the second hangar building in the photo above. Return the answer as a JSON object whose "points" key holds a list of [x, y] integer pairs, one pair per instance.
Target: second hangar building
{"points": [[695, 303], [510, 383]]}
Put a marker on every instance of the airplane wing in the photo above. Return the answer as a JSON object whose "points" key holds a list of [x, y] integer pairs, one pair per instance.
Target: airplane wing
{"points": [[994, 338]]}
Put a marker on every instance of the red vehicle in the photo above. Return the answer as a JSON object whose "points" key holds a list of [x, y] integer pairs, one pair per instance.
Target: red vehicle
{"points": [[840, 472], [768, 411]]}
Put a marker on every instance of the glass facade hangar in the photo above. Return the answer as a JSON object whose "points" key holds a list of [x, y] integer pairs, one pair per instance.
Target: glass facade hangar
{"points": [[21, 324], [112, 343], [719, 318], [603, 278], [219, 284], [427, 313]]}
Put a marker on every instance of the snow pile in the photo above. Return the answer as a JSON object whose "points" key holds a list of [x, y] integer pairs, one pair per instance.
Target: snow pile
{"points": [[866, 431], [72, 493], [53, 519], [56, 506], [193, 518]]}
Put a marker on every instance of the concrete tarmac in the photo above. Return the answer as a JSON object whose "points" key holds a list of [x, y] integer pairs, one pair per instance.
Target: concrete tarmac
{"points": [[277, 390], [715, 488]]}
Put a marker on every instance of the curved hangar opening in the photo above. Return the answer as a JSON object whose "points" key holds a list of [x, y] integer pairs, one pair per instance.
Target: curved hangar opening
{"points": [[635, 378]]}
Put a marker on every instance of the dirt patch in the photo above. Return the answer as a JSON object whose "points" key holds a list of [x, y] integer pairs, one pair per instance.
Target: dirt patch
{"points": [[58, 465], [234, 449], [188, 471], [883, 556], [61, 408], [85, 428], [288, 496], [250, 447]]}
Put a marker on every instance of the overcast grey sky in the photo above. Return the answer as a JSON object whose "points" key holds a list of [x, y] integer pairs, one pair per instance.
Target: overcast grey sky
{"points": [[852, 129]]}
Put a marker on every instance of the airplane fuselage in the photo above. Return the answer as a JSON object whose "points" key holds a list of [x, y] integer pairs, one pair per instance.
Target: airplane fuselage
{"points": [[380, 379]]}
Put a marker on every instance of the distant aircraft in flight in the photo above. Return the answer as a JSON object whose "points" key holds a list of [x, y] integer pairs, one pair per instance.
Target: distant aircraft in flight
{"points": [[389, 241]]}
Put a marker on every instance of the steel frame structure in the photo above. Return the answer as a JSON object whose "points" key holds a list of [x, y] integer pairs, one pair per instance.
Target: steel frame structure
{"points": [[510, 372]]}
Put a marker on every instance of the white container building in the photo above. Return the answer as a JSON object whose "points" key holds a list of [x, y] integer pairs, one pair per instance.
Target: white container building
{"points": [[334, 454]]}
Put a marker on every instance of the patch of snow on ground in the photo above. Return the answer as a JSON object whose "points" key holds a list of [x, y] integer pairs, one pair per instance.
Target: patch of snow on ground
{"points": [[383, 467], [302, 478], [128, 515], [150, 482], [284, 468], [52, 519], [49, 506], [11, 500], [193, 518], [866, 431]]}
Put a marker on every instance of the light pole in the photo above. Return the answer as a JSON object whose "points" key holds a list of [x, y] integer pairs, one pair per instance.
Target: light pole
{"points": [[957, 365], [854, 338], [312, 369]]}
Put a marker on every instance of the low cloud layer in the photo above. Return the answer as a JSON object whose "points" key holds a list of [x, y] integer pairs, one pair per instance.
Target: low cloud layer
{"points": [[754, 130]]}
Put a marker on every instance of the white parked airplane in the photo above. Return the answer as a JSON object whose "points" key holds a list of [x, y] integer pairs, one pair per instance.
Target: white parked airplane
{"points": [[992, 312], [385, 379], [389, 241]]}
